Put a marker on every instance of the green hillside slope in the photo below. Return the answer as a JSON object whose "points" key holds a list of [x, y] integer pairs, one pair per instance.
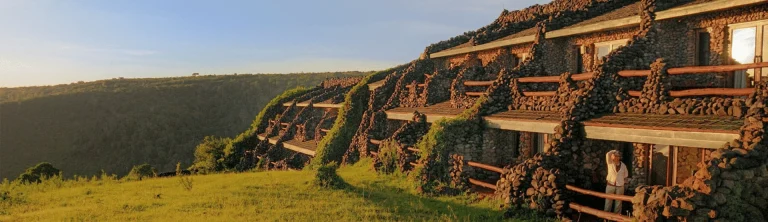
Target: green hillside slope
{"points": [[260, 196], [115, 124]]}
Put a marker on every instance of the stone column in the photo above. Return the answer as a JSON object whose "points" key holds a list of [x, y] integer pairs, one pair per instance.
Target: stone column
{"points": [[639, 165]]}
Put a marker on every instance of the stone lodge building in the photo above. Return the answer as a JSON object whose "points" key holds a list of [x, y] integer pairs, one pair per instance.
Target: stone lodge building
{"points": [[525, 109]]}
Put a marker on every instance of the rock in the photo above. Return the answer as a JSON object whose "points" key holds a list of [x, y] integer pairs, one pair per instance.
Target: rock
{"points": [[719, 198]]}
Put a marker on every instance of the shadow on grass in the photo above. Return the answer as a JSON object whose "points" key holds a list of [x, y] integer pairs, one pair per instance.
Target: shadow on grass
{"points": [[404, 206]]}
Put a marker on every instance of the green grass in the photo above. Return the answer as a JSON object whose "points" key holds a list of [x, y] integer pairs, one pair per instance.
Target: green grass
{"points": [[259, 196]]}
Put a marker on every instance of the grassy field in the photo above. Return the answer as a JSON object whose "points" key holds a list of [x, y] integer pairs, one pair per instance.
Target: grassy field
{"points": [[255, 196]]}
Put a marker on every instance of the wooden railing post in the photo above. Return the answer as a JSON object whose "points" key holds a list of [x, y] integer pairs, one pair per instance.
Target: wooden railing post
{"points": [[758, 71]]}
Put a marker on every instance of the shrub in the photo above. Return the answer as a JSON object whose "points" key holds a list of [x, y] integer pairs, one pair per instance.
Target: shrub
{"points": [[141, 171], [208, 153], [38, 172], [326, 177], [184, 180], [387, 158]]}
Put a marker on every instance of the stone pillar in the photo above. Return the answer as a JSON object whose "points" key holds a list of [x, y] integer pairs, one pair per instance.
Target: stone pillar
{"points": [[639, 165], [526, 145], [687, 160]]}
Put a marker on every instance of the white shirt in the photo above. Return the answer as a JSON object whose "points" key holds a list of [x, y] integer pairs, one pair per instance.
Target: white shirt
{"points": [[615, 178]]}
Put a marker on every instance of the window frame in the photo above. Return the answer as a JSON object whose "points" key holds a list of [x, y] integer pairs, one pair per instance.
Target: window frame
{"points": [[761, 46], [614, 44]]}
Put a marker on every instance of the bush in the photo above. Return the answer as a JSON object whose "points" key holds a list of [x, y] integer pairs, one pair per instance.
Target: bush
{"points": [[184, 180], [141, 171], [208, 153], [326, 177], [39, 172]]}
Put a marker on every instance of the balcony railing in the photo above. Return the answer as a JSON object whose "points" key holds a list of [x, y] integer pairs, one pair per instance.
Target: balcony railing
{"points": [[700, 70]]}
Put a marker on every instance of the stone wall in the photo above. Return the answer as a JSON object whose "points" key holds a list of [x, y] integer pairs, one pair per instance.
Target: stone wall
{"points": [[688, 159], [463, 60], [500, 147], [393, 153], [729, 186], [655, 99], [406, 89], [567, 49], [459, 99], [526, 146], [374, 124], [678, 42], [640, 164]]}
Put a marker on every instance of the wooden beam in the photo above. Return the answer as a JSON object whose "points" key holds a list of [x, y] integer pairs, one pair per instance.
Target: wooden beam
{"points": [[417, 85], [375, 142], [478, 83], [634, 73], [599, 194], [289, 146], [595, 27], [658, 135], [582, 76], [712, 69], [482, 184], [713, 92], [375, 85], [485, 167], [490, 45], [543, 93], [539, 79], [704, 8], [474, 93], [413, 149], [696, 69], [634, 93], [599, 213], [324, 130]]}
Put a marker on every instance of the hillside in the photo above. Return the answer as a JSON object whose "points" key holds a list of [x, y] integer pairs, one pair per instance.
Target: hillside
{"points": [[114, 124], [260, 196]]}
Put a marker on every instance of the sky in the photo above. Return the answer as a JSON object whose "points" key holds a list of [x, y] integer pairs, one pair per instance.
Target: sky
{"points": [[48, 42]]}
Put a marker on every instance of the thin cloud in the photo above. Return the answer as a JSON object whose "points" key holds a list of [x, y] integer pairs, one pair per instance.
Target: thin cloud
{"points": [[131, 52]]}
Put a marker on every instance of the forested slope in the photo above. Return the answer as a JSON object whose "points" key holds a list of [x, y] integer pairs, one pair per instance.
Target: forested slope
{"points": [[114, 124]]}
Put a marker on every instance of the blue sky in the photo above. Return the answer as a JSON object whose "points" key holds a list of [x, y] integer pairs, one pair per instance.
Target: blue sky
{"points": [[46, 42]]}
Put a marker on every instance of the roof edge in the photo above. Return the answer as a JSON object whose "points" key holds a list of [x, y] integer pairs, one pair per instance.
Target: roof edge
{"points": [[606, 25]]}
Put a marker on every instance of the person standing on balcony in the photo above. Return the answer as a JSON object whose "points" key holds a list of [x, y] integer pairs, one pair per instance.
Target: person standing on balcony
{"points": [[616, 179]]}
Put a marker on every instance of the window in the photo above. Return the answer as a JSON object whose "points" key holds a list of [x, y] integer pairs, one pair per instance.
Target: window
{"points": [[703, 51], [580, 50], [541, 142], [659, 170], [602, 49], [518, 59], [748, 45]]}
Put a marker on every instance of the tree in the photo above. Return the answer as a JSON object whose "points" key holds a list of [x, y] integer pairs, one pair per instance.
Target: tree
{"points": [[39, 172], [208, 153]]}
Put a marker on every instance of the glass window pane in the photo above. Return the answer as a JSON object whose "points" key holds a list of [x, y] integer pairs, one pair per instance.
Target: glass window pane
{"points": [[660, 158], [743, 45], [702, 55], [603, 51]]}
